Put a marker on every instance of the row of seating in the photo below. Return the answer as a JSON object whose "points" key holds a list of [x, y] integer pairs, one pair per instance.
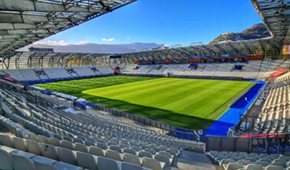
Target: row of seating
{"points": [[57, 73], [84, 71], [114, 152], [284, 77], [275, 114], [261, 69], [53, 152], [13, 127], [24, 123], [278, 96], [13, 159], [76, 158], [252, 161], [70, 127]]}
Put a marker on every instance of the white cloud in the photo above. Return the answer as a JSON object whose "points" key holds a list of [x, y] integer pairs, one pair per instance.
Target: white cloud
{"points": [[81, 42], [48, 42], [61, 42], [107, 39]]}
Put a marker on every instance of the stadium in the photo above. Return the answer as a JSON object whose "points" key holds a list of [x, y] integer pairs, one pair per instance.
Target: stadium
{"points": [[213, 106]]}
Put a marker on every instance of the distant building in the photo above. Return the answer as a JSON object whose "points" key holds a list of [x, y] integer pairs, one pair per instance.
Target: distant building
{"points": [[34, 49], [161, 48]]}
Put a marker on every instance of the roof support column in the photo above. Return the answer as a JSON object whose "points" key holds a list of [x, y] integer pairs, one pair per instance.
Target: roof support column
{"points": [[6, 63]]}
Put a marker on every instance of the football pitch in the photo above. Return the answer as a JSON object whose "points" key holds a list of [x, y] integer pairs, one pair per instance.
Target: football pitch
{"points": [[186, 103]]}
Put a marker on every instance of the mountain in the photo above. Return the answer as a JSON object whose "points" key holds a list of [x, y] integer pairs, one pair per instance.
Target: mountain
{"points": [[255, 32], [97, 48]]}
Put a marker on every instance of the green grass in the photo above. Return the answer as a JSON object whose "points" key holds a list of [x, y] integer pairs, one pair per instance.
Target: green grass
{"points": [[186, 103]]}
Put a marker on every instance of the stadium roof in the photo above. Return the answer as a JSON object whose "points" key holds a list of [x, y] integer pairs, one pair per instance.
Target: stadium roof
{"points": [[43, 59], [276, 16], [250, 47], [23, 22]]}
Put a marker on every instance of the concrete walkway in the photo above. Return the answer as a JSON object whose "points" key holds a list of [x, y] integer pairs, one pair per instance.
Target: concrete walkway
{"points": [[193, 161]]}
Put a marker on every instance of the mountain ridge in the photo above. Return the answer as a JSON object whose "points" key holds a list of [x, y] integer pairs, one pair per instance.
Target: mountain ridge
{"points": [[255, 32], [97, 48]]}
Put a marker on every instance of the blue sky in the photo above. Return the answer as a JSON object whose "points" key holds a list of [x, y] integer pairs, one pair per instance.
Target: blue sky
{"points": [[167, 22]]}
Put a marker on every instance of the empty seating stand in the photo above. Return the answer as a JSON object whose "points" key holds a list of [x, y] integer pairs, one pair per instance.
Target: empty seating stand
{"points": [[105, 70], [242, 160], [84, 71], [52, 139], [13, 159], [56, 73], [275, 115], [252, 69]]}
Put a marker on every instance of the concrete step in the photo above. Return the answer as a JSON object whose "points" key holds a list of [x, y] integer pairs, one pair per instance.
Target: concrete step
{"points": [[194, 161]]}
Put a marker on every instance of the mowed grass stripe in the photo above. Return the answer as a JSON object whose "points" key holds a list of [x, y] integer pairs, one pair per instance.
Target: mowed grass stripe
{"points": [[171, 96], [128, 88], [75, 87], [138, 89], [184, 96], [142, 93], [206, 102], [195, 100]]}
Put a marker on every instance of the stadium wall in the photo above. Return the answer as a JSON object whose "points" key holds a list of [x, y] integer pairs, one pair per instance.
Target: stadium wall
{"points": [[249, 145], [62, 79], [192, 77]]}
